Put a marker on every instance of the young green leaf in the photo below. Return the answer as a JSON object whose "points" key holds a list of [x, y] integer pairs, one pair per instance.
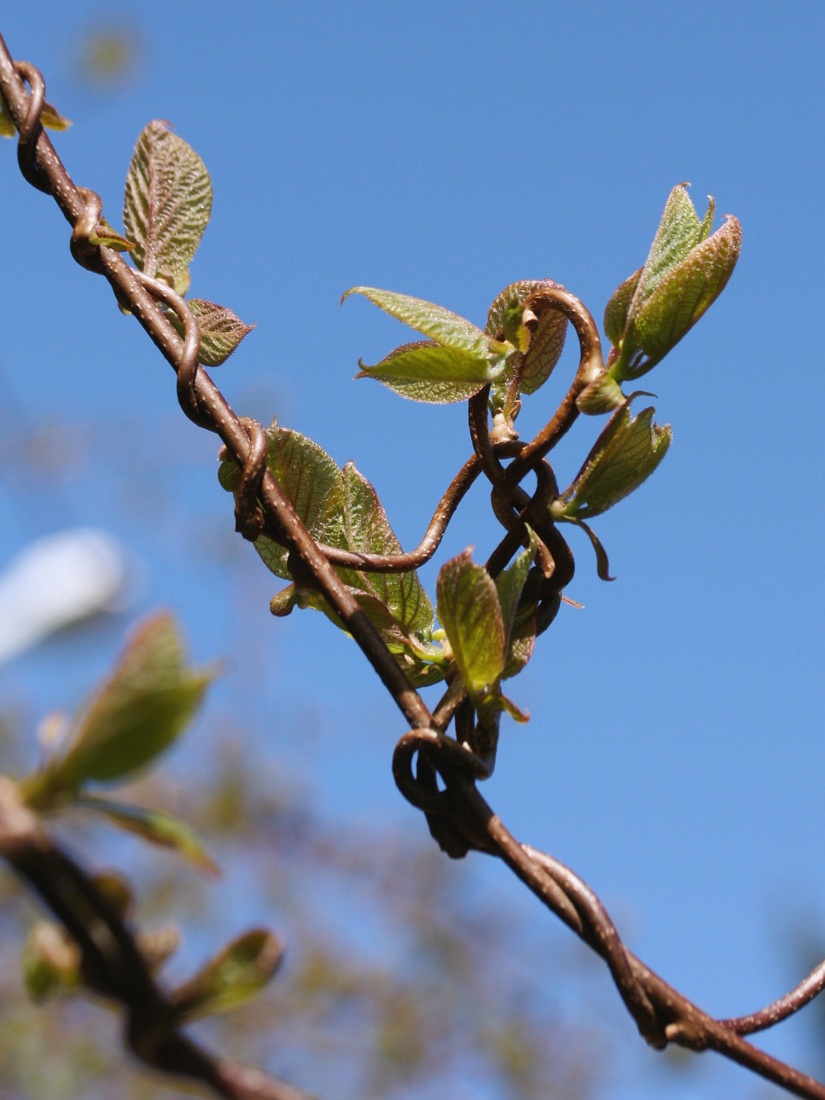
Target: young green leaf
{"points": [[354, 519], [433, 373], [539, 339], [156, 826], [167, 204], [50, 117], [686, 270], [441, 325], [107, 237], [304, 471], [221, 330], [625, 454], [470, 612], [685, 292], [617, 309], [233, 976], [510, 584], [139, 711]]}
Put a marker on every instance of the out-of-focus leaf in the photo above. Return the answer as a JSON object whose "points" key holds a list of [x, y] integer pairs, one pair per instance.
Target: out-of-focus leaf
{"points": [[156, 826], [50, 117], [51, 962], [221, 330], [167, 204], [141, 708], [625, 454], [233, 976], [117, 891], [433, 373], [469, 610], [441, 325]]}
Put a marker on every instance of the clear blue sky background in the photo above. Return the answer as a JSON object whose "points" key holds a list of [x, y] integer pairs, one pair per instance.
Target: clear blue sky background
{"points": [[675, 756]]}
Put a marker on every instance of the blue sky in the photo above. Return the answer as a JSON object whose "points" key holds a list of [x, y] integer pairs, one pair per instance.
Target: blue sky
{"points": [[675, 753]]}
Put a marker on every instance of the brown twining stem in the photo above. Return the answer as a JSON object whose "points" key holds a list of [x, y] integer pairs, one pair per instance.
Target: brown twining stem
{"points": [[446, 772], [403, 563], [204, 402]]}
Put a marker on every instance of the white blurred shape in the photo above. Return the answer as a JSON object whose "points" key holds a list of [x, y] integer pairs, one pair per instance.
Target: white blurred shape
{"points": [[57, 581]]}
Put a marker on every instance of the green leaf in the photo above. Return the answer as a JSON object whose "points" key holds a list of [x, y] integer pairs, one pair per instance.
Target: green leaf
{"points": [[50, 117], [304, 471], [354, 519], [540, 338], [433, 373], [686, 270], [510, 584], [519, 620], [679, 231], [233, 976], [546, 346], [625, 454], [617, 309], [470, 612], [686, 292], [167, 204], [221, 330], [156, 826], [139, 711], [439, 324], [107, 237]]}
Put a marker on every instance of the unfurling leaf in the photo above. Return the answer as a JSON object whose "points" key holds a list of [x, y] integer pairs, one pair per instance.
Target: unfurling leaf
{"points": [[538, 336], [156, 826], [139, 711], [432, 373], [50, 117], [167, 204], [232, 977], [685, 273], [625, 454], [470, 612], [221, 330], [107, 237]]}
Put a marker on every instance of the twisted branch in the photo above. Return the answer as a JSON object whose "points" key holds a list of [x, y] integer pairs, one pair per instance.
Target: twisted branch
{"points": [[436, 773]]}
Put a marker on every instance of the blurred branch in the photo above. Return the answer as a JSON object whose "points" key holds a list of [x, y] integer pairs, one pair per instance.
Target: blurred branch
{"points": [[112, 964]]}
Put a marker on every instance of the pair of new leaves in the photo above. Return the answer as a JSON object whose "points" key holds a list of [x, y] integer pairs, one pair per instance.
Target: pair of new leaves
{"points": [[136, 714], [647, 315]]}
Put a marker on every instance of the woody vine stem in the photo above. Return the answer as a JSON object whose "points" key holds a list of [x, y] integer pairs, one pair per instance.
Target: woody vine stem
{"points": [[436, 772]]}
